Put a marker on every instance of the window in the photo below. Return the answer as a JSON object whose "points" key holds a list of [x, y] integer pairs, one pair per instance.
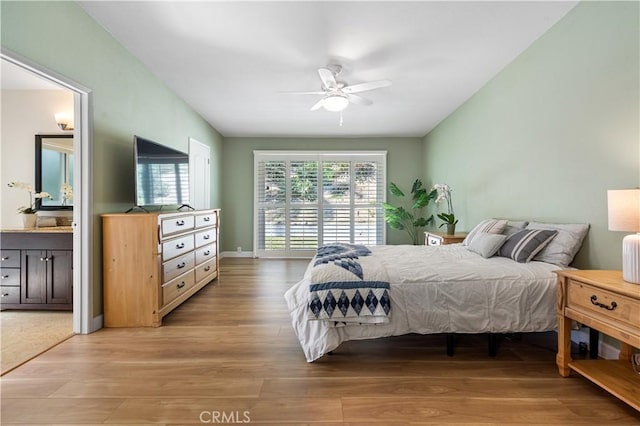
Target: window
{"points": [[305, 199]]}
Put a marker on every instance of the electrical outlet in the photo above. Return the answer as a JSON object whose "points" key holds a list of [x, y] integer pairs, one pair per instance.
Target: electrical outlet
{"points": [[239, 249]]}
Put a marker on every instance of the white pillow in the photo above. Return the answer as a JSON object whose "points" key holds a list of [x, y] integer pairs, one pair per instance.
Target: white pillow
{"points": [[490, 226], [514, 226], [563, 248], [485, 244]]}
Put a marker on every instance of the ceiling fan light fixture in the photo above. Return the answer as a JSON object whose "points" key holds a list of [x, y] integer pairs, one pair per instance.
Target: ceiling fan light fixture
{"points": [[335, 103]]}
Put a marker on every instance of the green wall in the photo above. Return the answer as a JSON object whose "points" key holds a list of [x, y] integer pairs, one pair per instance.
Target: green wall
{"points": [[127, 100], [403, 167], [552, 132]]}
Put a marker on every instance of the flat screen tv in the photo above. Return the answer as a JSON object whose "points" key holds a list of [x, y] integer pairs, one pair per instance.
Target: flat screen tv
{"points": [[162, 174]]}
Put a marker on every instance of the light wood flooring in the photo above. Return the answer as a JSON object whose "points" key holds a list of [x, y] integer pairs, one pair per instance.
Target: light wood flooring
{"points": [[230, 354]]}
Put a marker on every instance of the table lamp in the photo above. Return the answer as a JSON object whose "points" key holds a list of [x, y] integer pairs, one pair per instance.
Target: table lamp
{"points": [[624, 215]]}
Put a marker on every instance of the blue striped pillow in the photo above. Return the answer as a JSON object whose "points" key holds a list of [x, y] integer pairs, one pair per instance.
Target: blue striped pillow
{"points": [[524, 245]]}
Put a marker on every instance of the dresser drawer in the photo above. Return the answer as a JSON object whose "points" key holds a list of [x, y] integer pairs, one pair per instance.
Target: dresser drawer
{"points": [[206, 269], [9, 294], [205, 237], [9, 277], [177, 246], [177, 266], [203, 220], [173, 225], [10, 258], [205, 253], [603, 303], [177, 286]]}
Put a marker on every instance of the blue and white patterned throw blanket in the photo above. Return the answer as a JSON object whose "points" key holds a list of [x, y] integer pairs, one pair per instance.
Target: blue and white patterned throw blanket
{"points": [[348, 286]]}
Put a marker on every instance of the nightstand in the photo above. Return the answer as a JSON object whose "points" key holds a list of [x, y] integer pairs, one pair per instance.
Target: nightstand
{"points": [[441, 238], [603, 301]]}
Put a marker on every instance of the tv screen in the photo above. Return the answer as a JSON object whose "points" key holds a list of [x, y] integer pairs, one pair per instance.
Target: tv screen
{"points": [[162, 174]]}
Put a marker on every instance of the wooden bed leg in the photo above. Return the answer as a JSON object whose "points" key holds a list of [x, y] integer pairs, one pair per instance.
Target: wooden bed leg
{"points": [[493, 344], [451, 337]]}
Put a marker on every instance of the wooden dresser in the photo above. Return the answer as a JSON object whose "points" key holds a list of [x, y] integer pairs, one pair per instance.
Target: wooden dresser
{"points": [[152, 262], [603, 301]]}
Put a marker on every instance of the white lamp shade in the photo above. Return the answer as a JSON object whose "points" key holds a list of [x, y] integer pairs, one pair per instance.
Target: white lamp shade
{"points": [[624, 210], [624, 215]]}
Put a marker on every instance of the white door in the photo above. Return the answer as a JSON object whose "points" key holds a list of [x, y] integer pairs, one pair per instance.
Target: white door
{"points": [[199, 175]]}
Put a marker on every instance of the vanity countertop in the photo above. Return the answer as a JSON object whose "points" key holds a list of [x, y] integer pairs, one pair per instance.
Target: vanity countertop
{"points": [[49, 229]]}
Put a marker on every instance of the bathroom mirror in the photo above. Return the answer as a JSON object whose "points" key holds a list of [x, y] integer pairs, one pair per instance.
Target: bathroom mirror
{"points": [[54, 171]]}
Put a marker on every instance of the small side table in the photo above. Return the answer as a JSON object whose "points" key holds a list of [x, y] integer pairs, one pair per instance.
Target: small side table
{"points": [[602, 301], [432, 238]]}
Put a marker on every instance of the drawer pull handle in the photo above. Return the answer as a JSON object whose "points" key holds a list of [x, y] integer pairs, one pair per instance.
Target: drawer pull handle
{"points": [[44, 259], [5, 294], [5, 258], [179, 222], [207, 253], [207, 219], [4, 277], [182, 284], [180, 246], [206, 237], [181, 265], [594, 300], [207, 268]]}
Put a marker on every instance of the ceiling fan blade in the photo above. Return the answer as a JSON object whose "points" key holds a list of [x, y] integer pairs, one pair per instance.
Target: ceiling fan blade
{"points": [[328, 80], [304, 93], [362, 87], [318, 105], [359, 100]]}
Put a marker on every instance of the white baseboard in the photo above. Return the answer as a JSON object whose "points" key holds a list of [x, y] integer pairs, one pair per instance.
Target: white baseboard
{"points": [[97, 323], [236, 254], [605, 350]]}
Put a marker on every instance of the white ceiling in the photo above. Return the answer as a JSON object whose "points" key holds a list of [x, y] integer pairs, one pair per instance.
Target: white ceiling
{"points": [[231, 60]]}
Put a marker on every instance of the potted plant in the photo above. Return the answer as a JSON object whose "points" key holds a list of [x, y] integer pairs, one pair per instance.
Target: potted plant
{"points": [[448, 218], [29, 213], [410, 217]]}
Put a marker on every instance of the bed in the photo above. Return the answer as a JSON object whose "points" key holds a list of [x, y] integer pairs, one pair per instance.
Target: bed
{"points": [[432, 289]]}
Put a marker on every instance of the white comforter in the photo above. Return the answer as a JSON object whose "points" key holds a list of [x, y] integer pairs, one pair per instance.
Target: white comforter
{"points": [[441, 289]]}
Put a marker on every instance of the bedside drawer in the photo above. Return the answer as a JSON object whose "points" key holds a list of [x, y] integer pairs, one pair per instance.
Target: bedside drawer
{"points": [[203, 220], [172, 225], [205, 237], [616, 307], [177, 266], [204, 253], [9, 295], [206, 269], [433, 240], [10, 258], [177, 286], [177, 246]]}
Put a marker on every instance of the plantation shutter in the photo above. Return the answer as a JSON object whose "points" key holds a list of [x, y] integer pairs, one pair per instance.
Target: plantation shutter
{"points": [[305, 199]]}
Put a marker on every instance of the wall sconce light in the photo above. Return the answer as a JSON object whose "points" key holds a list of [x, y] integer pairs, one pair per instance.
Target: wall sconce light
{"points": [[64, 120], [624, 215]]}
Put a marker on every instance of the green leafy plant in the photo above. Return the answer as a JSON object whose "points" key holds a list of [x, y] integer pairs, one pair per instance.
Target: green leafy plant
{"points": [[410, 217]]}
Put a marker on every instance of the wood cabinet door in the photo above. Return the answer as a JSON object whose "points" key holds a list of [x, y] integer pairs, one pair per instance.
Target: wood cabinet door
{"points": [[34, 276], [60, 285]]}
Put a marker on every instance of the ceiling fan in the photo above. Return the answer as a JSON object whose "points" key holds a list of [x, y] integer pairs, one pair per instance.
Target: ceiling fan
{"points": [[337, 95]]}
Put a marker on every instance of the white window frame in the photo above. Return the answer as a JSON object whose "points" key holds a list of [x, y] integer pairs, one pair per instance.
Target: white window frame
{"points": [[320, 156]]}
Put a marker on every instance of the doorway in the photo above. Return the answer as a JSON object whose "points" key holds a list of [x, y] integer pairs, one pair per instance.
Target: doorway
{"points": [[199, 175], [84, 320]]}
